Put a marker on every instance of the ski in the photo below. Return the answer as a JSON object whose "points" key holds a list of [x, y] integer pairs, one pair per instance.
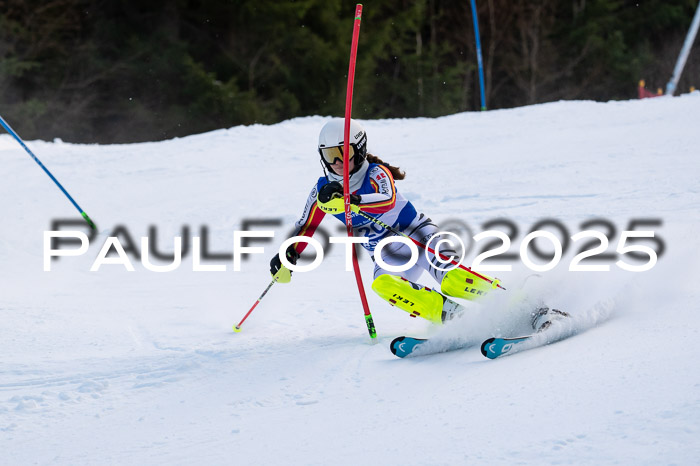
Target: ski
{"points": [[496, 347], [405, 346], [551, 332], [492, 348], [554, 326]]}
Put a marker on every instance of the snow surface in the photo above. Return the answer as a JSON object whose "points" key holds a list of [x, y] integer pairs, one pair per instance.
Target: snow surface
{"points": [[118, 367]]}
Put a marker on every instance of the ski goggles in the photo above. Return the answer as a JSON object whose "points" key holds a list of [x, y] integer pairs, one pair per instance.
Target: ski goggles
{"points": [[331, 154]]}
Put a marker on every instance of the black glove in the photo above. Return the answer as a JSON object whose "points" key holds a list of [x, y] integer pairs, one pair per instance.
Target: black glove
{"points": [[335, 189], [276, 263]]}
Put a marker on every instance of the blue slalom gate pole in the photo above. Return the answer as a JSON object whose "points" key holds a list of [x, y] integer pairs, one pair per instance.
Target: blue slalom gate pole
{"points": [[479, 60], [683, 56], [21, 143]]}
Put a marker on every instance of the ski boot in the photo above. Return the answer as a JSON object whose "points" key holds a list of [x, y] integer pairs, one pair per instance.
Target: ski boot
{"points": [[417, 300], [543, 317], [459, 283]]}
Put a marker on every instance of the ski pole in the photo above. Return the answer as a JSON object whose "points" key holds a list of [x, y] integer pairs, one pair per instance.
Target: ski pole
{"points": [[495, 283], [237, 328], [9, 129]]}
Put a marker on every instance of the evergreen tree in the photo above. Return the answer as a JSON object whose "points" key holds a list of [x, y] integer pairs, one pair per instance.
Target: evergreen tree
{"points": [[124, 70]]}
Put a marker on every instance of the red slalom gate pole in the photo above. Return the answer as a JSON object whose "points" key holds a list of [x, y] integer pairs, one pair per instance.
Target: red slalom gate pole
{"points": [[346, 176]]}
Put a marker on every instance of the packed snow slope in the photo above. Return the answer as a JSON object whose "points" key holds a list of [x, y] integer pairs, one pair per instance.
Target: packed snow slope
{"points": [[141, 367]]}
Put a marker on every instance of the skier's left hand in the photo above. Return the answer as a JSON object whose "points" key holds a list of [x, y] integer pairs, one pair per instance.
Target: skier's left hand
{"points": [[330, 199]]}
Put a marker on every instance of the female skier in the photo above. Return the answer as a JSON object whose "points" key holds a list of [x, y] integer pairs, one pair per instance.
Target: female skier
{"points": [[375, 194]]}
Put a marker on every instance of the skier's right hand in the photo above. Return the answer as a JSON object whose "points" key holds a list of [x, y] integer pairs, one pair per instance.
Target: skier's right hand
{"points": [[330, 199], [279, 271]]}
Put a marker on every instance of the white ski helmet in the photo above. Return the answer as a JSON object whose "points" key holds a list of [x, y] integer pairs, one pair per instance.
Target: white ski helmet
{"points": [[330, 142]]}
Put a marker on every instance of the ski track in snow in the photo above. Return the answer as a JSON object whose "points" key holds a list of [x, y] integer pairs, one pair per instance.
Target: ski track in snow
{"points": [[116, 367]]}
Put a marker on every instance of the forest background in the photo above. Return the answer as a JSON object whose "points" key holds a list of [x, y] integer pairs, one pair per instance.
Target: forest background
{"points": [[116, 71]]}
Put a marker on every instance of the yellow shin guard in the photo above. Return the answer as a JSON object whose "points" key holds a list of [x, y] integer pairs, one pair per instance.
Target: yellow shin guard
{"points": [[419, 301], [461, 284]]}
